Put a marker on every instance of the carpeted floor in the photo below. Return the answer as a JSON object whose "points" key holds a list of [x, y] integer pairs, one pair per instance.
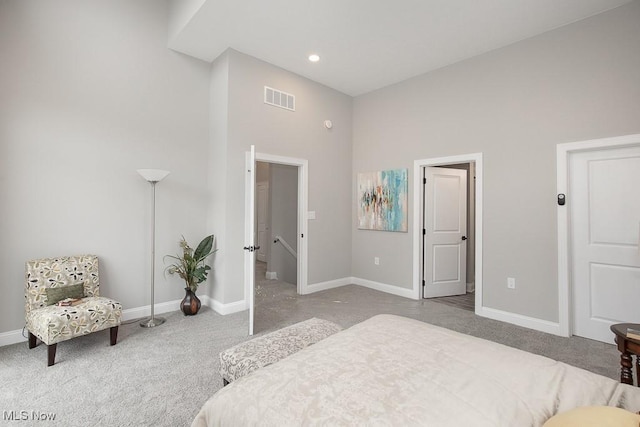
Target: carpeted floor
{"points": [[152, 377], [162, 376], [465, 302]]}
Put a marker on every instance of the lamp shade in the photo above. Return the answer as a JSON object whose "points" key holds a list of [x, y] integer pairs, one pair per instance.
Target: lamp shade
{"points": [[153, 175]]}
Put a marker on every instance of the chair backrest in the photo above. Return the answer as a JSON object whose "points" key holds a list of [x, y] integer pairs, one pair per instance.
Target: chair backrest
{"points": [[41, 274]]}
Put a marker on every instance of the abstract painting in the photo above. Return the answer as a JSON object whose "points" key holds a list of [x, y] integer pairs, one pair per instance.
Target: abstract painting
{"points": [[382, 200]]}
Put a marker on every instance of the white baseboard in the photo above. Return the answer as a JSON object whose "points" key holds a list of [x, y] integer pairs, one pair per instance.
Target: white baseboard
{"points": [[145, 310], [520, 320], [383, 287], [323, 286], [11, 337], [271, 275], [225, 309], [471, 287]]}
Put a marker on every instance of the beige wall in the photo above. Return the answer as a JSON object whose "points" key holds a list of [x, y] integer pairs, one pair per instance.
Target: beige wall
{"points": [[90, 93], [514, 105]]}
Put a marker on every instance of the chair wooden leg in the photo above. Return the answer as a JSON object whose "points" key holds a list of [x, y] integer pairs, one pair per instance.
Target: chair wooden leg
{"points": [[51, 352], [32, 340], [114, 335]]}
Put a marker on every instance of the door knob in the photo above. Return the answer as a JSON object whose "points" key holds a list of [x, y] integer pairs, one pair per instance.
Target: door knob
{"points": [[464, 238]]}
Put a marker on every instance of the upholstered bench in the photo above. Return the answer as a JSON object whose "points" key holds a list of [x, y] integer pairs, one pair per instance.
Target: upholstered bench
{"points": [[248, 356]]}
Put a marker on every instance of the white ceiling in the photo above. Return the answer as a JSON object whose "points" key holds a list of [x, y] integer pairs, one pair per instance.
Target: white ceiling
{"points": [[366, 44]]}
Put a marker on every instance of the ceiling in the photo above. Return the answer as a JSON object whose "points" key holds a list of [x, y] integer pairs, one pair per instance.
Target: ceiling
{"points": [[366, 44]]}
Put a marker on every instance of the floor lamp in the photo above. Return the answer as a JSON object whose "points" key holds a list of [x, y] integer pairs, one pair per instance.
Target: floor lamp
{"points": [[153, 176]]}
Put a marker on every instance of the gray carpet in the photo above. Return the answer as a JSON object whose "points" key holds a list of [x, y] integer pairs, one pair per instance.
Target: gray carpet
{"points": [[162, 376], [152, 377]]}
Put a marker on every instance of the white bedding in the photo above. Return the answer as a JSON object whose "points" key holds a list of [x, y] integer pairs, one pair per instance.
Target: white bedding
{"points": [[391, 370]]}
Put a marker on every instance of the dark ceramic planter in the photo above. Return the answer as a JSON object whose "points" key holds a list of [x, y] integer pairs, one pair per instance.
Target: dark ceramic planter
{"points": [[190, 305]]}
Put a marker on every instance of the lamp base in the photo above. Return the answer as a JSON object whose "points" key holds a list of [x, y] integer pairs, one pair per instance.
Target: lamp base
{"points": [[152, 322]]}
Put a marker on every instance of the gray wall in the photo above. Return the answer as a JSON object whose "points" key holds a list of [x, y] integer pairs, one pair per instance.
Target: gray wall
{"points": [[217, 172], [90, 93], [283, 206], [298, 134], [513, 104]]}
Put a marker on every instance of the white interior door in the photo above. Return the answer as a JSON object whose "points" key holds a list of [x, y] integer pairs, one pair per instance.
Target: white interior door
{"points": [[445, 228], [262, 204], [604, 204], [250, 232]]}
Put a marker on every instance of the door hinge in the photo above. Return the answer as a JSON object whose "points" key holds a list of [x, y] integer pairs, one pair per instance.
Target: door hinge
{"points": [[424, 231], [424, 180], [423, 282]]}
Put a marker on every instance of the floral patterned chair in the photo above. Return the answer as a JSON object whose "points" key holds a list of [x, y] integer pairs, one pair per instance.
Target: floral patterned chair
{"points": [[49, 280]]}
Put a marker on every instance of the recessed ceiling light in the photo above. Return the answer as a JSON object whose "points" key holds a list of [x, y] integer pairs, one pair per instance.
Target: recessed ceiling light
{"points": [[314, 58]]}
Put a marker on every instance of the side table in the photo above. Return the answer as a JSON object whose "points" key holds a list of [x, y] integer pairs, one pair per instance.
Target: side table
{"points": [[627, 346]]}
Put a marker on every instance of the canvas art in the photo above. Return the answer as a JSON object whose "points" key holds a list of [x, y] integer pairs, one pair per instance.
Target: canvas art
{"points": [[382, 200]]}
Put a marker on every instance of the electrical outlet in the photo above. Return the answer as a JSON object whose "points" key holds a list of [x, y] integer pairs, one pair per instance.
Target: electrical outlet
{"points": [[376, 261], [511, 283]]}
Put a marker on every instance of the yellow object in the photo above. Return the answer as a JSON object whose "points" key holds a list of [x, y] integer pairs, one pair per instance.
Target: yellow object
{"points": [[594, 416]]}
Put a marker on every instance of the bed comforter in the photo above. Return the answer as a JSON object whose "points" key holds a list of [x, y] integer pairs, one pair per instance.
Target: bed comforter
{"points": [[391, 370]]}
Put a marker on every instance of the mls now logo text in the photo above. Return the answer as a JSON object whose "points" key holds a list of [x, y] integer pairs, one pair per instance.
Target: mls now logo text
{"points": [[28, 416]]}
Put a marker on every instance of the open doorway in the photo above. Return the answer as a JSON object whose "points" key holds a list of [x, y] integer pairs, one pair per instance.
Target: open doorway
{"points": [[447, 230], [278, 237], [449, 234]]}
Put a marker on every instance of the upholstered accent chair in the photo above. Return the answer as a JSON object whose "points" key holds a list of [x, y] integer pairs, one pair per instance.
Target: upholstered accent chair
{"points": [[50, 280]]}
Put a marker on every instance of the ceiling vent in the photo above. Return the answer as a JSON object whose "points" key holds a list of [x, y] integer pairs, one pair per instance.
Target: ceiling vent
{"points": [[278, 98]]}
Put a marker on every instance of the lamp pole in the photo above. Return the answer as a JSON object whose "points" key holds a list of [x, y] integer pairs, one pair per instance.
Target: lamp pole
{"points": [[153, 176]]}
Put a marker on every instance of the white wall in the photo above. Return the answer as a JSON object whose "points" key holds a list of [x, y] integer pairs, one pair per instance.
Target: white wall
{"points": [[90, 93], [513, 104]]}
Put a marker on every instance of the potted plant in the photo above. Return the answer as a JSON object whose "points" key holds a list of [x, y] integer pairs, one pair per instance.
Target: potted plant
{"points": [[191, 267]]}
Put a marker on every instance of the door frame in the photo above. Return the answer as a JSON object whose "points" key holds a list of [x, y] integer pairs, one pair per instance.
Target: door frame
{"points": [[418, 212], [302, 248], [268, 219], [564, 151]]}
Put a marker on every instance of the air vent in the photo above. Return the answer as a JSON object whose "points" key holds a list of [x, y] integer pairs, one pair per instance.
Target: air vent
{"points": [[278, 98]]}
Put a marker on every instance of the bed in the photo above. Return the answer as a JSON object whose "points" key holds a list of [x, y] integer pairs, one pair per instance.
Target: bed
{"points": [[391, 370]]}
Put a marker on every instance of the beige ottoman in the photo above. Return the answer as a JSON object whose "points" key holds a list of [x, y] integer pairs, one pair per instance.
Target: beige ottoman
{"points": [[248, 356]]}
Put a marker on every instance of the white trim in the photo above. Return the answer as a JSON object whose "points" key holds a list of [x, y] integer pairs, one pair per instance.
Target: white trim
{"points": [[271, 275], [416, 291], [249, 233], [11, 337], [562, 166], [383, 287], [520, 320], [145, 310], [303, 191], [224, 309], [330, 284]]}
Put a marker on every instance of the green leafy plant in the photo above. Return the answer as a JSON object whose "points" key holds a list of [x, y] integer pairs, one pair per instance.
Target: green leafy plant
{"points": [[191, 265]]}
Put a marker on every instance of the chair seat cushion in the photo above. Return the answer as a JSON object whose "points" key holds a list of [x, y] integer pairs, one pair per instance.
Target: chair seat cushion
{"points": [[52, 324]]}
